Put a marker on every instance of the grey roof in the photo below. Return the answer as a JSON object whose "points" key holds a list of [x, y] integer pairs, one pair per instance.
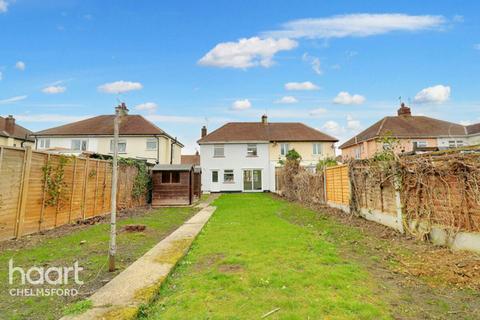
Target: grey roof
{"points": [[172, 167]]}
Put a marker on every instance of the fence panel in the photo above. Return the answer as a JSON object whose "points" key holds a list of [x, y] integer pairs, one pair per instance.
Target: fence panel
{"points": [[337, 185], [29, 202]]}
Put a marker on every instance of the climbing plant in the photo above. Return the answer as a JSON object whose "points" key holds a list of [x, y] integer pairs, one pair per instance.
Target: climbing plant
{"points": [[142, 182], [53, 179]]}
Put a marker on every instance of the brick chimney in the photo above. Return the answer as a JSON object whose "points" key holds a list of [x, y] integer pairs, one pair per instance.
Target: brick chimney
{"points": [[204, 131], [404, 110], [10, 124], [264, 119], [122, 109]]}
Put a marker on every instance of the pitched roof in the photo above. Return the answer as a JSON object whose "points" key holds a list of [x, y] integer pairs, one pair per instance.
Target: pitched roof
{"points": [[134, 125], [408, 127], [172, 167], [190, 159], [473, 129], [257, 131], [19, 132]]}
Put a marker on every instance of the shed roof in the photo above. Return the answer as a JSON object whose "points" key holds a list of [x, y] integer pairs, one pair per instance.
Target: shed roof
{"points": [[172, 167]]}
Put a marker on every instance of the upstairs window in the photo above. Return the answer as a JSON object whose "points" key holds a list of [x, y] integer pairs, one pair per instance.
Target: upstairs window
{"points": [[44, 143], [79, 144], [122, 146], [421, 143], [219, 150], [317, 148], [455, 143], [151, 144], [284, 149], [251, 150]]}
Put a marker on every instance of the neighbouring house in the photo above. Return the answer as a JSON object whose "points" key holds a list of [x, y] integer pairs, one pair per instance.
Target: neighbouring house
{"points": [[193, 159], [173, 185], [139, 138], [473, 134], [244, 156], [412, 132], [14, 135]]}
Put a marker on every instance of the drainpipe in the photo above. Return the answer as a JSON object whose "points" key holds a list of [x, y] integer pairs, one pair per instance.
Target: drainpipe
{"points": [[171, 150], [158, 149]]}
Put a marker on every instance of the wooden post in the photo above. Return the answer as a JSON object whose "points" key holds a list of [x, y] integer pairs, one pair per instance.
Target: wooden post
{"points": [[96, 189], [398, 201], [113, 215], [42, 210], [85, 183], [23, 192], [73, 189]]}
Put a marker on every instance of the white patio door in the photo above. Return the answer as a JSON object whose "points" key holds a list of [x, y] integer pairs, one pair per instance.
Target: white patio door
{"points": [[215, 187], [252, 180]]}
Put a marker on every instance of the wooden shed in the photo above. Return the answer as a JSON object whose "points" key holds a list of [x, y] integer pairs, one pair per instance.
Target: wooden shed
{"points": [[173, 185]]}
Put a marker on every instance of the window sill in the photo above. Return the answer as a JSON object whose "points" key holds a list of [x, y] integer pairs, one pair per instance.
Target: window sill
{"points": [[228, 182], [252, 156], [219, 156]]}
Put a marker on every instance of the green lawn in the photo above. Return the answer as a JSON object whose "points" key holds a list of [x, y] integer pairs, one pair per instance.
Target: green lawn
{"points": [[64, 250], [258, 254]]}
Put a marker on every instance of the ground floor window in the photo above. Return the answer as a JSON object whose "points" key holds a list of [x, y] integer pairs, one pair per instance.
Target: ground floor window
{"points": [[455, 143], [79, 144], [228, 176]]}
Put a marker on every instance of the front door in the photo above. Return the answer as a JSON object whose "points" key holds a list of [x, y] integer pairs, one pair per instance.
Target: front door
{"points": [[252, 180]]}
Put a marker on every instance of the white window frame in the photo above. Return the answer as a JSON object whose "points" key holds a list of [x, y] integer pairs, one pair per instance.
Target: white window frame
{"points": [[218, 150], [120, 142], [252, 150], [81, 144], [421, 143], [456, 143], [44, 143], [317, 148], [284, 148], [217, 172], [151, 141], [229, 172]]}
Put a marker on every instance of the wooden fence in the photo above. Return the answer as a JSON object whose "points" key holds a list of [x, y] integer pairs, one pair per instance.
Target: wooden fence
{"points": [[41, 191], [337, 185]]}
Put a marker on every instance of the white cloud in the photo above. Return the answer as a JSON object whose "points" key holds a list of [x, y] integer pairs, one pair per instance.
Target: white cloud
{"points": [[344, 97], [246, 53], [307, 85], [287, 100], [13, 99], [54, 89], [49, 118], [466, 122], [355, 25], [1, 75], [314, 62], [3, 6], [477, 46], [147, 106], [241, 104], [120, 86], [353, 124], [317, 112], [333, 127], [435, 94], [20, 65]]}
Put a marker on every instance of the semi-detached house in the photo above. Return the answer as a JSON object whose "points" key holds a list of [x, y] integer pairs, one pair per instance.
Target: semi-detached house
{"points": [[244, 156], [138, 139]]}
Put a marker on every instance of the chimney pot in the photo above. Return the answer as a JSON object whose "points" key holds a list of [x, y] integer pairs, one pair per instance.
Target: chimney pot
{"points": [[204, 131], [404, 110], [122, 109], [10, 124], [264, 119]]}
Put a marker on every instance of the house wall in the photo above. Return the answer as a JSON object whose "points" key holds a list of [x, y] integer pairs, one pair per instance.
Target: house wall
{"points": [[12, 142], [373, 146], [474, 139], [136, 147], [235, 159]]}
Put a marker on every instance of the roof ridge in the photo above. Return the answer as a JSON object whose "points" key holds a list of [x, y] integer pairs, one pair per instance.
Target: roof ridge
{"points": [[381, 126]]}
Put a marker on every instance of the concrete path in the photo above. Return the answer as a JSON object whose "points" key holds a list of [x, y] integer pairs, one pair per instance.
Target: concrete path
{"points": [[138, 284]]}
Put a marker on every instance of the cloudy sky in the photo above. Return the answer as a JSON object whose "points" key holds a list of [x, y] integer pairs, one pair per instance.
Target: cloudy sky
{"points": [[337, 66]]}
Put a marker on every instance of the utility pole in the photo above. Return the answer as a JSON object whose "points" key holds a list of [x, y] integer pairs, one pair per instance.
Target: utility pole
{"points": [[113, 215]]}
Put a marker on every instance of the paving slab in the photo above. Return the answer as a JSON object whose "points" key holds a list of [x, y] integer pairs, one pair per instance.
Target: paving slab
{"points": [[137, 285]]}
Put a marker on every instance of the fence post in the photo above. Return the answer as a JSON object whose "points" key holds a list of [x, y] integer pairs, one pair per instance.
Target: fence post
{"points": [[73, 189], [42, 210], [397, 181], [325, 184], [85, 183], [23, 192]]}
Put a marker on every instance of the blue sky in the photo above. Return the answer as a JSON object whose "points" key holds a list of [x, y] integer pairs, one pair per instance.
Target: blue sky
{"points": [[338, 66]]}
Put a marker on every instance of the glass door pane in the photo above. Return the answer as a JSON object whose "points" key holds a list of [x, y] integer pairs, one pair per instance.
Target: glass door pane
{"points": [[247, 180], [257, 179]]}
